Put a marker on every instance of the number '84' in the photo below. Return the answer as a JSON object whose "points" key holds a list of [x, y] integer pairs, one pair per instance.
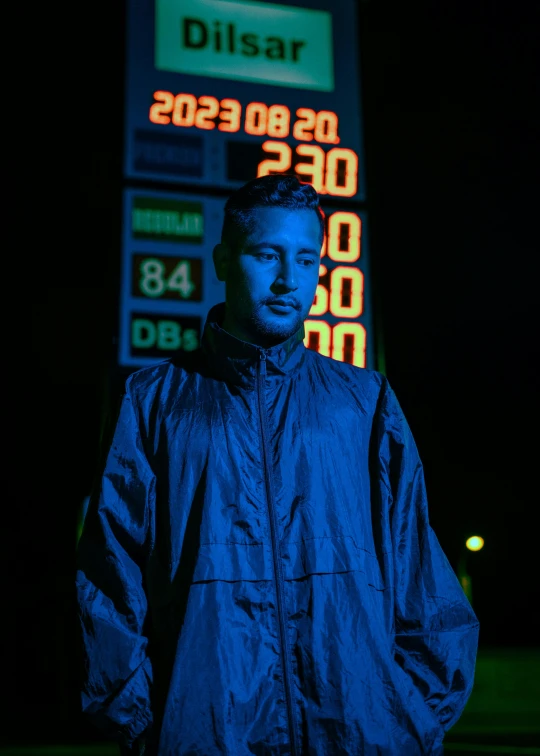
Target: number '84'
{"points": [[154, 281]]}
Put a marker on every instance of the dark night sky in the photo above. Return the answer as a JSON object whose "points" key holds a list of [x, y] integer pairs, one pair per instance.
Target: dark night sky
{"points": [[452, 157]]}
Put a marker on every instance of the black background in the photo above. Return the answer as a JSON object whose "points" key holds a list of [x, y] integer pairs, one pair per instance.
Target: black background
{"points": [[452, 158]]}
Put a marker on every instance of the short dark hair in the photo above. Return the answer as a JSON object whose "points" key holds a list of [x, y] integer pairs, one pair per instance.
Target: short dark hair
{"points": [[275, 190]]}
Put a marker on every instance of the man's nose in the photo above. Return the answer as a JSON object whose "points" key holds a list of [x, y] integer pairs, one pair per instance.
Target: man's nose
{"points": [[288, 275]]}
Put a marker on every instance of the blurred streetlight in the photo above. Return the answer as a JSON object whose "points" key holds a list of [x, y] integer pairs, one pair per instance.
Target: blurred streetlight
{"points": [[474, 543]]}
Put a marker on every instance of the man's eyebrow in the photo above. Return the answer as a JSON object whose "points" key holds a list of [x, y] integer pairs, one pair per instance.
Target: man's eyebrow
{"points": [[281, 248]]}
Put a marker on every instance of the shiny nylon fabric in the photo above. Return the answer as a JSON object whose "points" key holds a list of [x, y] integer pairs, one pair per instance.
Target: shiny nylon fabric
{"points": [[257, 573]]}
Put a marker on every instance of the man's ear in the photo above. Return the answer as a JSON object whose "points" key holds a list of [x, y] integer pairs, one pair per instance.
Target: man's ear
{"points": [[221, 259]]}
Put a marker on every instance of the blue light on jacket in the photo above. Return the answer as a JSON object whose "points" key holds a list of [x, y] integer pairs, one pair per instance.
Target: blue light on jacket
{"points": [[257, 573]]}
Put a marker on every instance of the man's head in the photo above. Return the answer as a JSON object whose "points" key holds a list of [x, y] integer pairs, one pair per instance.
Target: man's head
{"points": [[270, 247]]}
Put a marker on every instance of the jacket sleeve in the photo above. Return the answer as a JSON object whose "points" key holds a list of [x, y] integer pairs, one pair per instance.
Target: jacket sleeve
{"points": [[436, 630], [111, 600]]}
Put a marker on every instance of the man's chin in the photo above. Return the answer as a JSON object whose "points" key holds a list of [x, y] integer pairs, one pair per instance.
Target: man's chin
{"points": [[275, 334]]}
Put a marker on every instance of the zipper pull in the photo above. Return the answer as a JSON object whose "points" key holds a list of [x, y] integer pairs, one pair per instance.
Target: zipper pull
{"points": [[263, 362]]}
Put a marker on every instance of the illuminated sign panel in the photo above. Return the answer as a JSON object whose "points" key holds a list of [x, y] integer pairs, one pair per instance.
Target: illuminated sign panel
{"points": [[199, 110], [167, 220], [168, 282], [218, 93], [174, 158], [246, 41], [158, 276], [156, 337]]}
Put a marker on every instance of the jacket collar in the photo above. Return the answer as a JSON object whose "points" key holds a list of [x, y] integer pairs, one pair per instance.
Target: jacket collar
{"points": [[236, 361]]}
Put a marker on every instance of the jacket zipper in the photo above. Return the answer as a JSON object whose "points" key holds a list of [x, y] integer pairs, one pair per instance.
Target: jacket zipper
{"points": [[278, 571]]}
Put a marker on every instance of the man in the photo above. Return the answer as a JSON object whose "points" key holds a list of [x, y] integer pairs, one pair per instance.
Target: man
{"points": [[257, 573]]}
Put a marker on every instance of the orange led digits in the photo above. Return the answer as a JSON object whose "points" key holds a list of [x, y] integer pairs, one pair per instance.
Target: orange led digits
{"points": [[185, 107], [306, 120], [357, 335], [345, 296], [281, 165], [344, 230], [320, 332], [320, 303], [260, 119], [350, 159], [230, 115], [315, 169], [337, 278], [326, 127], [210, 109], [163, 104], [256, 119], [279, 119]]}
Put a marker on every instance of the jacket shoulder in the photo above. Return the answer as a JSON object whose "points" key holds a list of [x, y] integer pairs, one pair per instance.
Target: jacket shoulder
{"points": [[361, 382], [363, 376], [162, 380]]}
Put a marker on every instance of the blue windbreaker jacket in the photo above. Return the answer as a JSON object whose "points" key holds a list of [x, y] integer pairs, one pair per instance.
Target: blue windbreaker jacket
{"points": [[257, 573]]}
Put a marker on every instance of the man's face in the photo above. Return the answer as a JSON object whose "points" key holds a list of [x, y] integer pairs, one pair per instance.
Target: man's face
{"points": [[278, 260]]}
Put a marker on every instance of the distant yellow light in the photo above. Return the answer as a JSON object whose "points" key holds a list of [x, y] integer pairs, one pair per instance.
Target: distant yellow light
{"points": [[474, 543]]}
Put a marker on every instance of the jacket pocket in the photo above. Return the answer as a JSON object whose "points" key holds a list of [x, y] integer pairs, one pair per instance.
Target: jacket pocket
{"points": [[331, 554], [310, 556], [416, 711]]}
